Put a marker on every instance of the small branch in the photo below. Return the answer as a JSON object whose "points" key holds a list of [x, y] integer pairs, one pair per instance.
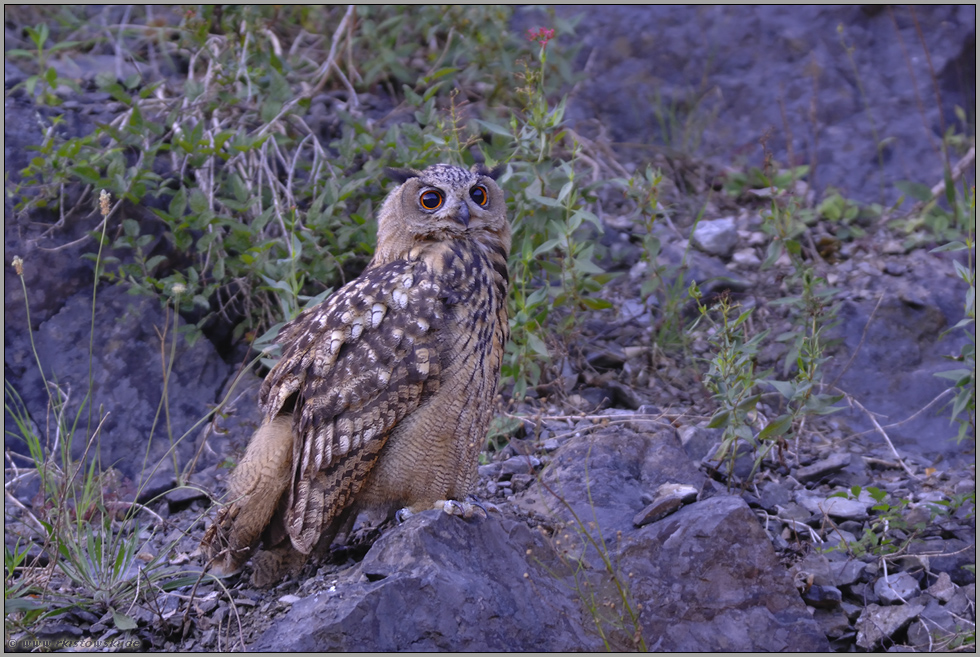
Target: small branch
{"points": [[883, 434]]}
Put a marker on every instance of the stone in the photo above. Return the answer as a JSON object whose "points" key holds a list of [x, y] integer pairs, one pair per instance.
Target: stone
{"points": [[667, 499], [697, 441], [746, 258], [716, 236], [706, 575], [822, 468], [879, 623], [438, 582], [835, 507], [847, 572], [943, 588], [822, 597], [897, 587], [834, 623], [127, 382]]}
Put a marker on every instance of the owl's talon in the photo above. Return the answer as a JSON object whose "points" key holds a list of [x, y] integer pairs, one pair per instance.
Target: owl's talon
{"points": [[464, 510], [401, 515]]}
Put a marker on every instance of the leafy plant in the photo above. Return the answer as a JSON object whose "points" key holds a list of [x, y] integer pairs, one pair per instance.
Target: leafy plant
{"points": [[964, 403], [732, 380]]}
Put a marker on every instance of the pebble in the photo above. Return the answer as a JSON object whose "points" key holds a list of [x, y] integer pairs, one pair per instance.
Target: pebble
{"points": [[878, 623], [943, 589], [822, 597], [290, 599], [822, 468], [716, 236], [835, 507], [667, 499], [746, 258], [897, 587]]}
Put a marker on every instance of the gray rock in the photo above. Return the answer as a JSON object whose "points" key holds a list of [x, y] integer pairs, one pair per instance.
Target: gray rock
{"points": [[716, 236], [746, 258], [878, 623], [437, 582], [833, 622], [835, 507], [943, 588], [949, 556], [127, 383], [820, 469], [668, 498], [773, 493], [698, 440], [897, 587], [843, 573], [703, 578], [822, 597]]}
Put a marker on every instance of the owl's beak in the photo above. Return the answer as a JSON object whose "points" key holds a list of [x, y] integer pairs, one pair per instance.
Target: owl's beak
{"points": [[463, 214]]}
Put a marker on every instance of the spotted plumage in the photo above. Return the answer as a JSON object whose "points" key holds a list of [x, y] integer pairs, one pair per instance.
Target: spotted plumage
{"points": [[383, 394]]}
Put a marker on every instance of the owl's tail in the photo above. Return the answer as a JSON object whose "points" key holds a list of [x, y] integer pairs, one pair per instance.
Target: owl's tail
{"points": [[255, 488]]}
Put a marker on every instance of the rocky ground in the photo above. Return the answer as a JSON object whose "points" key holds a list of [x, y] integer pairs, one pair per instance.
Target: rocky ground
{"points": [[620, 439], [610, 525]]}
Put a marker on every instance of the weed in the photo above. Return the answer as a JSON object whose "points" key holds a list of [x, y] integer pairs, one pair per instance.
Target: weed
{"points": [[732, 380], [964, 403]]}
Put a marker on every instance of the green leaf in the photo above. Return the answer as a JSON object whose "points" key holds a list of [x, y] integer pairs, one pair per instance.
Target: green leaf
{"points": [[776, 428], [537, 344], [918, 191], [122, 621], [493, 128]]}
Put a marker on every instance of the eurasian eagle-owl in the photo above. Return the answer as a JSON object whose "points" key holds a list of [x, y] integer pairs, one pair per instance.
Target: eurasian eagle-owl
{"points": [[384, 391]]}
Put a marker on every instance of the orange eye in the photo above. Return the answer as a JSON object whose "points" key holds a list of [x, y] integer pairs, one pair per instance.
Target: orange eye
{"points": [[479, 195], [430, 200]]}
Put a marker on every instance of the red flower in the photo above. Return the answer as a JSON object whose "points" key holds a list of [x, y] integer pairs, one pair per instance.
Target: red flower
{"points": [[543, 35]]}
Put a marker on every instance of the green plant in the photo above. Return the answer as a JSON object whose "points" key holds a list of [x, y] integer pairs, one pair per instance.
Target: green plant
{"points": [[552, 263], [663, 280], [94, 546], [732, 380], [42, 85], [889, 531], [964, 403]]}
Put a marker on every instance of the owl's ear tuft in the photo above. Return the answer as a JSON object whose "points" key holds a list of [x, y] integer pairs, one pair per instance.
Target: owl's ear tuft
{"points": [[401, 175], [483, 170]]}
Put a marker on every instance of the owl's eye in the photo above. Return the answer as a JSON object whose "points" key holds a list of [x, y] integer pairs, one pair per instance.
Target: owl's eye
{"points": [[430, 199], [479, 195]]}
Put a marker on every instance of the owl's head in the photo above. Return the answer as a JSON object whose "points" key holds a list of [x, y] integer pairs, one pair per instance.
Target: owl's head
{"points": [[441, 203]]}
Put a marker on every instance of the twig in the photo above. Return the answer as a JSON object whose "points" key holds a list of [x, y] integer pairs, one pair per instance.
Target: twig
{"points": [[883, 434], [857, 349]]}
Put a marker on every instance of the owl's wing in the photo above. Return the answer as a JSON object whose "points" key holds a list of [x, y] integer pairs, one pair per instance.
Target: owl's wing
{"points": [[351, 369]]}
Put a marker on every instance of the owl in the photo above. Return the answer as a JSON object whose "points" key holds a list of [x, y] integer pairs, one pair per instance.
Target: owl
{"points": [[384, 392]]}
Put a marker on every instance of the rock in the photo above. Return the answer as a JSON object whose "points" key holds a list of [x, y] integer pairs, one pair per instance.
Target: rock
{"points": [[773, 493], [127, 382], [706, 575], [746, 258], [897, 587], [755, 67], [835, 507], [939, 625], [820, 469], [668, 498], [437, 582], [948, 556], [698, 440], [843, 573], [822, 597], [832, 622], [943, 588], [712, 561], [879, 623], [716, 236]]}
